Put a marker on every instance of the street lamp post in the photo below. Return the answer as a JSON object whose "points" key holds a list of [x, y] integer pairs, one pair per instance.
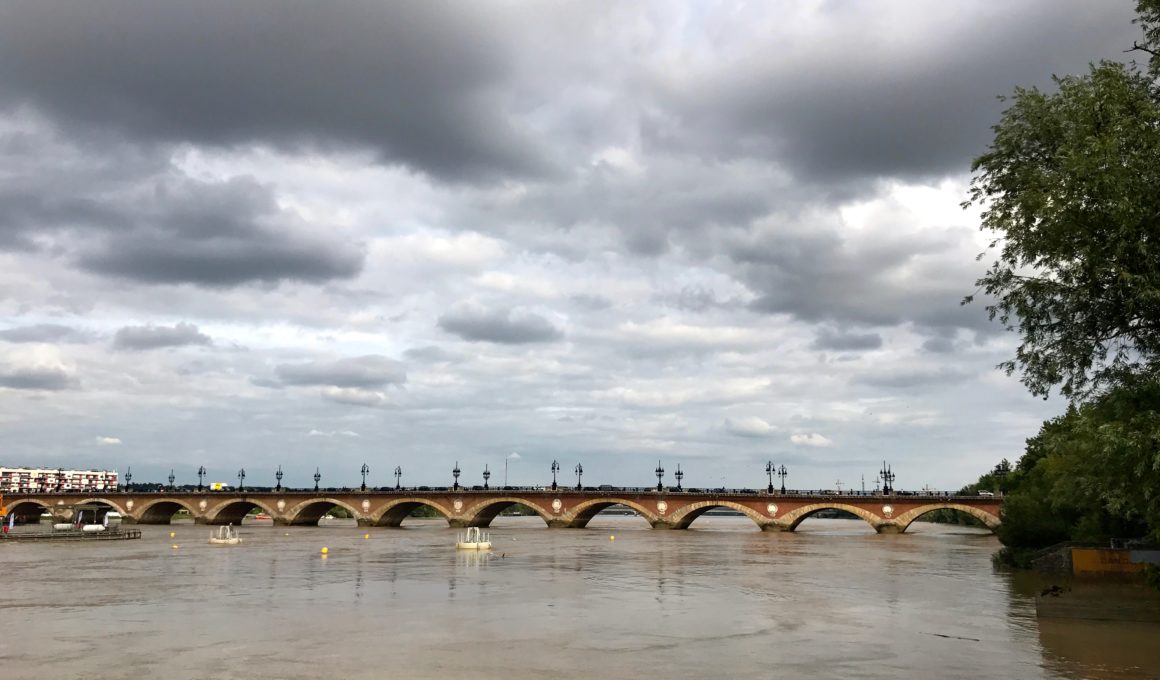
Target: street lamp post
{"points": [[769, 468], [887, 475], [486, 476], [278, 476], [1001, 472], [128, 477], [171, 478], [200, 477], [782, 473], [555, 469], [660, 472], [398, 475], [455, 473], [579, 473], [242, 479], [317, 478], [679, 475], [364, 470]]}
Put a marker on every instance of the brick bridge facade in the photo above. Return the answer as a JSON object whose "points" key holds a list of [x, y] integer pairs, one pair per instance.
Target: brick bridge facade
{"points": [[462, 508]]}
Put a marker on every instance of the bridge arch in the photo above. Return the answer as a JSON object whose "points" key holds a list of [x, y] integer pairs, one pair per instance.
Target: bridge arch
{"points": [[233, 510], [989, 520], [682, 518], [309, 512], [579, 516], [28, 509], [161, 511], [393, 513], [481, 514], [790, 520]]}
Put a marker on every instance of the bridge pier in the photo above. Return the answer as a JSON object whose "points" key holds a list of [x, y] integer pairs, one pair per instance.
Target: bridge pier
{"points": [[888, 528]]}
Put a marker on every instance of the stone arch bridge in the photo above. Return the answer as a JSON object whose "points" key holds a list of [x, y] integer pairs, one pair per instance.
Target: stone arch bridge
{"points": [[461, 508]]}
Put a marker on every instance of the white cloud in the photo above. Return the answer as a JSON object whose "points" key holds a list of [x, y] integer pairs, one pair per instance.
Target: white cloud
{"points": [[108, 441], [749, 427], [332, 433], [813, 439]]}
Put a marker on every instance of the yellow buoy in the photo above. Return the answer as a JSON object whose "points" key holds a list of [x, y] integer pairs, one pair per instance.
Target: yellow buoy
{"points": [[175, 546], [612, 538], [366, 536], [172, 534], [325, 551]]}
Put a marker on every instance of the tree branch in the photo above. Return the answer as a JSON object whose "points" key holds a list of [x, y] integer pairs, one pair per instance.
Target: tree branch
{"points": [[1137, 47]]}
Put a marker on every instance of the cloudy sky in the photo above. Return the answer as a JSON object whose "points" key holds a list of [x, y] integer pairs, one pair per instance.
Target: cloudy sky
{"points": [[714, 234]]}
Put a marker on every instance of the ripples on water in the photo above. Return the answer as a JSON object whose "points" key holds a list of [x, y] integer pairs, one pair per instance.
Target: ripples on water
{"points": [[832, 600]]}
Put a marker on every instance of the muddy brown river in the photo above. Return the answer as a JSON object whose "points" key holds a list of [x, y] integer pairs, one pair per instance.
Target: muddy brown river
{"points": [[722, 600]]}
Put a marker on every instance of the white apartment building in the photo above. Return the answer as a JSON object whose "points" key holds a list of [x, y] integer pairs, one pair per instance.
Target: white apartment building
{"points": [[34, 480]]}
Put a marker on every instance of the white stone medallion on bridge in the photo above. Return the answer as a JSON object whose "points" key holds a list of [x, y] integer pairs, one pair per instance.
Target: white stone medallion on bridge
{"points": [[457, 504], [771, 509], [662, 507], [281, 505], [128, 504], [557, 504], [201, 505], [366, 505], [887, 510]]}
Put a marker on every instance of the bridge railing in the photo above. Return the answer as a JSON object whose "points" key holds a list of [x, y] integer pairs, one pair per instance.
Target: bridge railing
{"points": [[602, 490]]}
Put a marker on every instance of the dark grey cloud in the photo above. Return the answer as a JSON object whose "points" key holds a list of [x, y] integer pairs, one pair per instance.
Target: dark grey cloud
{"points": [[35, 378], [910, 378], [45, 332], [843, 341], [854, 103], [431, 354], [883, 281], [499, 325], [939, 345], [419, 84], [158, 337], [365, 372], [135, 216], [592, 302]]}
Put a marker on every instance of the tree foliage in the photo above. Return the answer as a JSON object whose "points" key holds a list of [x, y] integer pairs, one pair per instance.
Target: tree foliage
{"points": [[1090, 474], [1069, 186]]}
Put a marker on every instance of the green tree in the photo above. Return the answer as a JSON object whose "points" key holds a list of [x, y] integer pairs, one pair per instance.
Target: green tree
{"points": [[1069, 188]]}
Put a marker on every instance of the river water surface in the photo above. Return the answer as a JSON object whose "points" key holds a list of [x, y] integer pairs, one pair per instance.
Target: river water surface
{"points": [[722, 600]]}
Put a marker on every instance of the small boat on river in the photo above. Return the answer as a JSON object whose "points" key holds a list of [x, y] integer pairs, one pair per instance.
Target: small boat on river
{"points": [[474, 539], [225, 536]]}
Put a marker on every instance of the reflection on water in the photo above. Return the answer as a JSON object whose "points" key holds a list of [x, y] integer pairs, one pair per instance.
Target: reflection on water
{"points": [[833, 600]]}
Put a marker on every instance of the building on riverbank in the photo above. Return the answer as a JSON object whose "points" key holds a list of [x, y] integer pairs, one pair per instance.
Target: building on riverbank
{"points": [[37, 480]]}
